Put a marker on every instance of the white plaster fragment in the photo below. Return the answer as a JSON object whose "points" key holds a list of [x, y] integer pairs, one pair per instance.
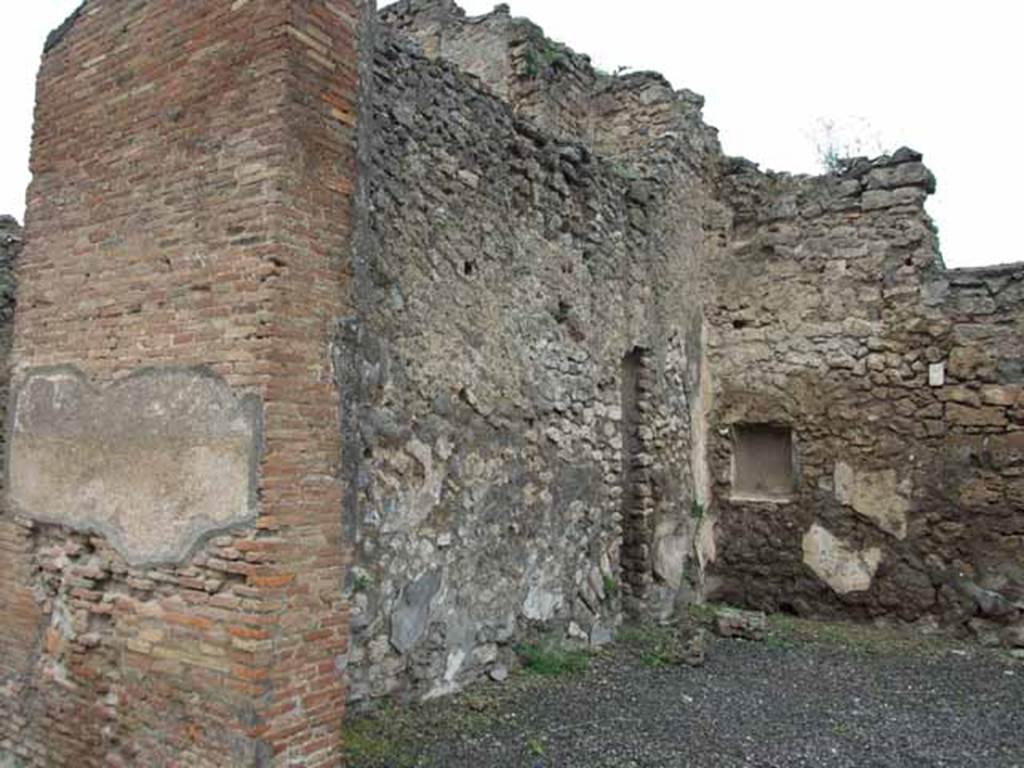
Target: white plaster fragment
{"points": [[879, 496], [671, 547], [840, 566], [541, 604]]}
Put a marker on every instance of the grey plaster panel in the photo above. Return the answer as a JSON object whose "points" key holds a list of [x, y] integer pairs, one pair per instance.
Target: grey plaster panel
{"points": [[155, 462]]}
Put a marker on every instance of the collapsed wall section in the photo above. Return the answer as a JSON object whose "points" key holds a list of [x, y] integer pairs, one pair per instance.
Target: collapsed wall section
{"points": [[833, 320], [506, 277], [172, 520], [540, 79], [622, 117]]}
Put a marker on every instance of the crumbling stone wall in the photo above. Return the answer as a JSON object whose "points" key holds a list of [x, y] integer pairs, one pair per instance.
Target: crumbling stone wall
{"points": [[975, 468], [557, 89], [506, 276], [819, 297], [832, 315], [512, 58]]}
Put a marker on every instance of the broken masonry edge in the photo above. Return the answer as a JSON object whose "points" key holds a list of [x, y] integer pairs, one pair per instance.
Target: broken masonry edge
{"points": [[57, 35]]}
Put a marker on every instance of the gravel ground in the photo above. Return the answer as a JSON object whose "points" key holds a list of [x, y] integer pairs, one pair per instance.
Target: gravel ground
{"points": [[811, 695]]}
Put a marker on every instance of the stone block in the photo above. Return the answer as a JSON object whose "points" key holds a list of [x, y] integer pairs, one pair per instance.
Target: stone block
{"points": [[961, 394], [903, 175], [967, 363], [1013, 637], [746, 625], [878, 199], [1005, 396], [412, 613], [966, 416]]}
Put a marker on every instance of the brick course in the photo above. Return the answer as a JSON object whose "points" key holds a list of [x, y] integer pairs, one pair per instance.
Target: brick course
{"points": [[193, 166]]}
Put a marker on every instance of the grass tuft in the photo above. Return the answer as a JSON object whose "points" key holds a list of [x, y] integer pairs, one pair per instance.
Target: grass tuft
{"points": [[368, 742], [549, 660]]}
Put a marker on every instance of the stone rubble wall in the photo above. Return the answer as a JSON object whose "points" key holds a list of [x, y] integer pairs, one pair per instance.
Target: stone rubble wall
{"points": [[558, 90], [832, 314], [512, 58], [505, 276], [980, 468]]}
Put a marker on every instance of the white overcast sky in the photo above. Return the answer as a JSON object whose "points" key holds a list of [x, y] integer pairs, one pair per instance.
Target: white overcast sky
{"points": [[942, 77]]}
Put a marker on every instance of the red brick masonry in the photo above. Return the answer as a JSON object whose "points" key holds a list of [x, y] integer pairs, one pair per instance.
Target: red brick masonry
{"points": [[193, 168]]}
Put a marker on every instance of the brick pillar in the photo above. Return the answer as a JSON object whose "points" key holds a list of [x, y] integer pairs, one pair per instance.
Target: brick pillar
{"points": [[185, 261]]}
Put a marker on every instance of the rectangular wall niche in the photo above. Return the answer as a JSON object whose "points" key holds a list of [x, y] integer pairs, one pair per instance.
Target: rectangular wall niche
{"points": [[763, 463]]}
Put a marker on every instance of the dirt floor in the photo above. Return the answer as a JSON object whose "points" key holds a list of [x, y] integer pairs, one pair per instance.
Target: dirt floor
{"points": [[809, 695]]}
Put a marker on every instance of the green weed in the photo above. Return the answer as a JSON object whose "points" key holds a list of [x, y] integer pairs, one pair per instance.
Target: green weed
{"points": [[536, 746], [366, 743], [550, 660], [611, 588], [656, 646]]}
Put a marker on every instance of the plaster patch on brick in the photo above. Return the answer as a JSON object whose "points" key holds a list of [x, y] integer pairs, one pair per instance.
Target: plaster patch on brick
{"points": [[155, 461], [879, 496], [840, 566]]}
